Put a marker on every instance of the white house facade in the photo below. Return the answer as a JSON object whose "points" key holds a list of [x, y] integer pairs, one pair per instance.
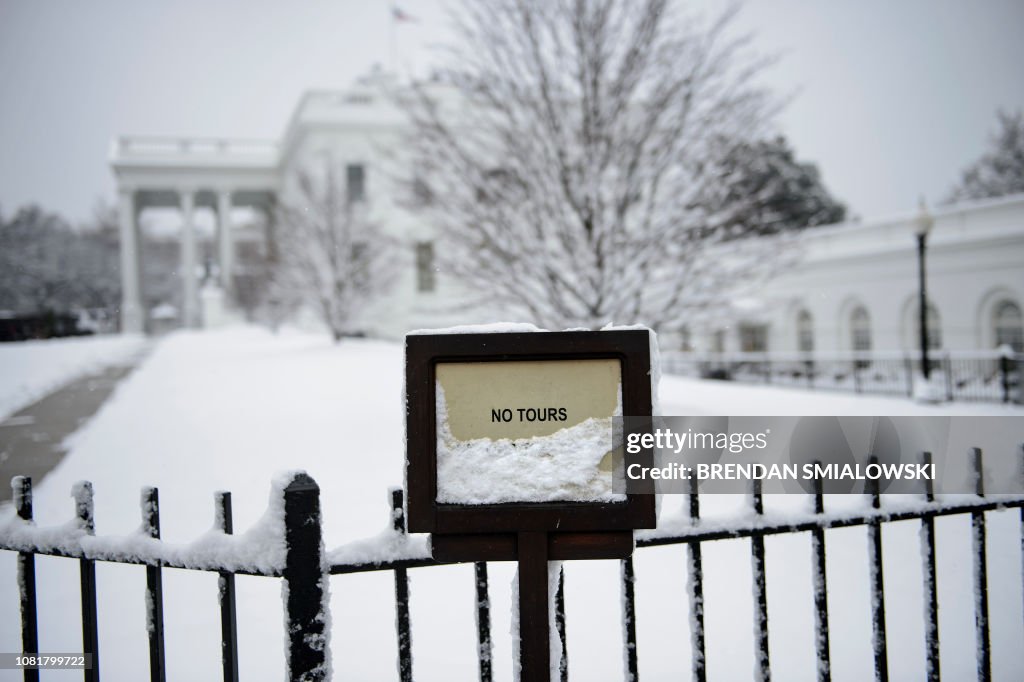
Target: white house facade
{"points": [[853, 287], [358, 131]]}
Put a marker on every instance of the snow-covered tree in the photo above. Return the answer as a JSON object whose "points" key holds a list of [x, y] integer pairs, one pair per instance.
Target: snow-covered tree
{"points": [[1000, 171], [763, 189], [48, 267], [564, 151], [331, 256]]}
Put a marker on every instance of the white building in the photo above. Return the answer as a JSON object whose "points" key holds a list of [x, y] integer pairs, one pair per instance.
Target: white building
{"points": [[854, 287], [358, 130]]}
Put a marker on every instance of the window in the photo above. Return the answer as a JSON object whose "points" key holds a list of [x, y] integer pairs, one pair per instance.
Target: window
{"points": [[753, 338], [685, 339], [355, 182], [1009, 325], [860, 329], [804, 332], [425, 266], [718, 341], [359, 263]]}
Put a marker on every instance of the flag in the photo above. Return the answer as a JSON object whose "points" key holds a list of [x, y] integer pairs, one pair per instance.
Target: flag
{"points": [[398, 15]]}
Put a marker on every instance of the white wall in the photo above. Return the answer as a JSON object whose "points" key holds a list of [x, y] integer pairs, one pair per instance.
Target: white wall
{"points": [[975, 258]]}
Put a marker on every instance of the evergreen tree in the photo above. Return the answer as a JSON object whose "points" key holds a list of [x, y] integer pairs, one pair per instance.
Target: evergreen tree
{"points": [[1000, 171]]}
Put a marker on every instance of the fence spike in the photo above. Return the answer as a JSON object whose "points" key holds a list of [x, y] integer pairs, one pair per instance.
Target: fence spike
{"points": [[762, 664], [931, 598], [820, 585], [629, 619], [82, 492], [154, 588], [402, 626], [695, 568], [306, 577], [877, 583], [483, 621], [981, 628], [226, 594], [563, 661], [22, 493]]}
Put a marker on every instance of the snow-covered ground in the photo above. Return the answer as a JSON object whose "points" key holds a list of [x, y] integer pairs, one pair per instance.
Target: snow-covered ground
{"points": [[226, 410], [30, 370]]}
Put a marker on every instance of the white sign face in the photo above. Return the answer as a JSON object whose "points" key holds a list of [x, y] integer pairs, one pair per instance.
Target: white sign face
{"points": [[526, 431]]}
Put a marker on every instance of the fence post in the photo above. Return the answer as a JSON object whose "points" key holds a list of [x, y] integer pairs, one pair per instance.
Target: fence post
{"points": [[563, 661], [1004, 375], [305, 581], [401, 593], [22, 489], [226, 595], [947, 363], [908, 367], [629, 619], [980, 575], [931, 603], [154, 588], [82, 493], [820, 581], [695, 569], [762, 664], [877, 583], [483, 621]]}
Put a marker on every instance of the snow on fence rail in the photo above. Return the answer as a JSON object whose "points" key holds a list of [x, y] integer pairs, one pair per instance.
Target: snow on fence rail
{"points": [[286, 543], [975, 375]]}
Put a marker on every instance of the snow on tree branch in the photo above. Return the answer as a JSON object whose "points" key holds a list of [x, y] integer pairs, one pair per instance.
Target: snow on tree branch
{"points": [[333, 257], [570, 150]]}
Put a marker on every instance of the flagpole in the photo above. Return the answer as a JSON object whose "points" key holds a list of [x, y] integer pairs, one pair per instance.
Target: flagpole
{"points": [[391, 38]]}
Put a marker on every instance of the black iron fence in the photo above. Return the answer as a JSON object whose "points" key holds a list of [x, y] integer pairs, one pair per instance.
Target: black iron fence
{"points": [[983, 376], [304, 565]]}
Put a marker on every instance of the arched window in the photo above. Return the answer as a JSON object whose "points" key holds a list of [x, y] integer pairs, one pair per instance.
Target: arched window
{"points": [[1008, 324], [860, 329], [685, 339], [804, 332]]}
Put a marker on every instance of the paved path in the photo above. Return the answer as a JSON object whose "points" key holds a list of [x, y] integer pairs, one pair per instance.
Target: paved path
{"points": [[31, 439]]}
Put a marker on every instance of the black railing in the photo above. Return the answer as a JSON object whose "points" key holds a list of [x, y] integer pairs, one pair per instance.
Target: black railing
{"points": [[978, 376], [304, 566]]}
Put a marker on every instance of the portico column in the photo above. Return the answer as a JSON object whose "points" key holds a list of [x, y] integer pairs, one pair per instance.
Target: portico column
{"points": [[131, 295], [190, 299], [226, 242]]}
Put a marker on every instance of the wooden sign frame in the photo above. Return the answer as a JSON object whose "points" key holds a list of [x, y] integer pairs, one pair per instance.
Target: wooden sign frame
{"points": [[424, 352]]}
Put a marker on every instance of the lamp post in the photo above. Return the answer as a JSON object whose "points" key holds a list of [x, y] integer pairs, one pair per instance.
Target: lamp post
{"points": [[922, 226]]}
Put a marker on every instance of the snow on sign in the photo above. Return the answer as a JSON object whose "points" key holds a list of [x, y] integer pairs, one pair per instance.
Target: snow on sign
{"points": [[526, 431], [512, 431]]}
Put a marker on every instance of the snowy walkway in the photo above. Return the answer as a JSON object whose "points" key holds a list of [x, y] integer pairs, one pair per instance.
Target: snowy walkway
{"points": [[30, 370], [227, 410], [31, 440]]}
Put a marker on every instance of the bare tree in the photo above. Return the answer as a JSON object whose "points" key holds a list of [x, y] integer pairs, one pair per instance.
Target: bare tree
{"points": [[46, 266], [564, 153], [331, 255]]}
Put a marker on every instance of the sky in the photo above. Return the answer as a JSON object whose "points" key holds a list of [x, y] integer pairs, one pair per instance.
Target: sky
{"points": [[891, 99]]}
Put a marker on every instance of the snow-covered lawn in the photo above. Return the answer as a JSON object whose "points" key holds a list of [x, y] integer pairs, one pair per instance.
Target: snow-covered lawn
{"points": [[31, 369], [226, 410]]}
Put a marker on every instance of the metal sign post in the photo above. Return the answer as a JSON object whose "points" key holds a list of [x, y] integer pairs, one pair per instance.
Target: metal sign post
{"points": [[478, 408]]}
